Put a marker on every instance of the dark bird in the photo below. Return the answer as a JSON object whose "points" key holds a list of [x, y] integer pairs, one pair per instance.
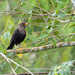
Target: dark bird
{"points": [[18, 35]]}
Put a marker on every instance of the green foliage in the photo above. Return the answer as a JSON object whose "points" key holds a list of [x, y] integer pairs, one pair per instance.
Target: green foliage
{"points": [[73, 25], [47, 25], [63, 69], [1, 48]]}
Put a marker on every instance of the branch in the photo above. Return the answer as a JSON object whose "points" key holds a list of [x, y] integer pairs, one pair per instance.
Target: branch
{"points": [[38, 73], [42, 48], [8, 62], [7, 59]]}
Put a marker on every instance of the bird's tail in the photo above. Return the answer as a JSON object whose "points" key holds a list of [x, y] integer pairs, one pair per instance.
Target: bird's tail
{"points": [[10, 46]]}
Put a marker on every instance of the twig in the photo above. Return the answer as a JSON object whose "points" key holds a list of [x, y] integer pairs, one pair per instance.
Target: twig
{"points": [[65, 37], [44, 56]]}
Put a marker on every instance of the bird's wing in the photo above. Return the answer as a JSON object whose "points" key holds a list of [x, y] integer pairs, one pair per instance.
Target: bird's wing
{"points": [[14, 36]]}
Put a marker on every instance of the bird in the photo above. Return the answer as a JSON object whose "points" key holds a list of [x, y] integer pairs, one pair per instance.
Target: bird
{"points": [[18, 36]]}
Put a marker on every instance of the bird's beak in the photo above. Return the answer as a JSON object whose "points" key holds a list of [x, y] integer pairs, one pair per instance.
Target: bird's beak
{"points": [[26, 23]]}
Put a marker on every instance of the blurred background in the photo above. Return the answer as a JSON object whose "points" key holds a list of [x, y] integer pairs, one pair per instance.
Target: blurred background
{"points": [[49, 21]]}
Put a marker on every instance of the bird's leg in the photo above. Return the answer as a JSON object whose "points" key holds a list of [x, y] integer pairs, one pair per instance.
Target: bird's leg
{"points": [[16, 48], [21, 47]]}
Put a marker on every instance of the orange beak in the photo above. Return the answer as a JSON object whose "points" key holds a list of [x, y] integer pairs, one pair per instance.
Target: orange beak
{"points": [[26, 23]]}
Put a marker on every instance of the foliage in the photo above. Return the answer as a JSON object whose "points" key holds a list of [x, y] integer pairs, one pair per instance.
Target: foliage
{"points": [[63, 69], [49, 21]]}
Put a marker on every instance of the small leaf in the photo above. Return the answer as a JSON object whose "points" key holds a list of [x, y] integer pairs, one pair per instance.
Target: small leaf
{"points": [[49, 73], [22, 2], [60, 15], [41, 41], [54, 14], [30, 16], [42, 36], [9, 54], [54, 43], [33, 37], [2, 39], [29, 29], [57, 11], [72, 26], [1, 48], [68, 69], [4, 36], [65, 72], [61, 71], [8, 35], [63, 65], [50, 30], [56, 33], [3, 65], [55, 68]]}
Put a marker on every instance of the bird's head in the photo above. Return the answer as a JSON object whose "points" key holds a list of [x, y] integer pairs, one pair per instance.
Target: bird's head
{"points": [[23, 24]]}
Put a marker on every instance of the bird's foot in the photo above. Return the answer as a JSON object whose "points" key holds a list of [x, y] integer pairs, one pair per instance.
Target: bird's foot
{"points": [[17, 50], [21, 49]]}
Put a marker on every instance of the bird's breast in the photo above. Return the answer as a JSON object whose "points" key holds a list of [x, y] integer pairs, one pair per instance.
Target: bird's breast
{"points": [[22, 30]]}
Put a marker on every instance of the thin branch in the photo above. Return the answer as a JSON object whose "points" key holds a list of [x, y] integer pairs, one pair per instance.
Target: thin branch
{"points": [[65, 37], [38, 73], [14, 63], [44, 56], [44, 39], [42, 48], [8, 62]]}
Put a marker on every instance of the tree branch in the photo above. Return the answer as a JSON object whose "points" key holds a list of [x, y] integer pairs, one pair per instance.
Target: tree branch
{"points": [[42, 48], [7, 59], [38, 73]]}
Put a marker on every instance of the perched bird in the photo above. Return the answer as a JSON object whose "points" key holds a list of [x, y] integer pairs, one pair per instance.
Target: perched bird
{"points": [[18, 35]]}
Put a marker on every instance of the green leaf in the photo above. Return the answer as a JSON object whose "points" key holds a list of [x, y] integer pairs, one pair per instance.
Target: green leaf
{"points": [[2, 39], [41, 41], [29, 29], [9, 54], [65, 72], [73, 25], [55, 68], [4, 36], [50, 30], [22, 2], [60, 15], [54, 14], [56, 33], [33, 37], [57, 11], [1, 48], [68, 69], [8, 35], [30, 16], [42, 36], [49, 73], [54, 42], [61, 71], [3, 66]]}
